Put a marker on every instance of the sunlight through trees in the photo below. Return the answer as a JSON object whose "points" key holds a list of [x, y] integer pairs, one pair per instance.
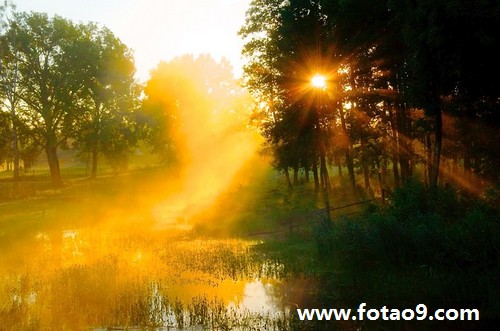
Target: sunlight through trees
{"points": [[406, 83]]}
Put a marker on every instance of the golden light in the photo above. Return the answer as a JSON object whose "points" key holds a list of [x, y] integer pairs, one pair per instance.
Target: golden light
{"points": [[318, 81]]}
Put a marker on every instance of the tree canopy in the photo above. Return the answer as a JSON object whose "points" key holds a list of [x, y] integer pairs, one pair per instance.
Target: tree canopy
{"points": [[68, 83], [189, 103], [403, 78]]}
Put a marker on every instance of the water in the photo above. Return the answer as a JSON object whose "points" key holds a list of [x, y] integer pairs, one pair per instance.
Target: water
{"points": [[112, 277]]}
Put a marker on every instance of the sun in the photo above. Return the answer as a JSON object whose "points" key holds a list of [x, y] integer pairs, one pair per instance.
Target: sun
{"points": [[318, 81]]}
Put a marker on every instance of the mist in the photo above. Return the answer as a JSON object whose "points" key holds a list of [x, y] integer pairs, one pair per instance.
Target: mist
{"points": [[206, 122]]}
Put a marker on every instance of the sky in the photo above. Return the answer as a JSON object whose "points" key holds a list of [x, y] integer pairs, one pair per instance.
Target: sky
{"points": [[159, 29]]}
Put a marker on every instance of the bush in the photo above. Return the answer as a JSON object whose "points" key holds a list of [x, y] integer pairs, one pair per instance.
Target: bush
{"points": [[437, 243]]}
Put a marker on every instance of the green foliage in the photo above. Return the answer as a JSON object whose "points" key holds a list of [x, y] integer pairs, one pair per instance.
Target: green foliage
{"points": [[67, 85], [421, 227], [5, 136], [109, 99], [422, 238]]}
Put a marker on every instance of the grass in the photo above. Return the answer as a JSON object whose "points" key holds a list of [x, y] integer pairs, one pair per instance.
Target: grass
{"points": [[265, 207]]}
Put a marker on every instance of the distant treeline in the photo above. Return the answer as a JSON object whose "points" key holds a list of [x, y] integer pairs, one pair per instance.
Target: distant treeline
{"points": [[408, 83]]}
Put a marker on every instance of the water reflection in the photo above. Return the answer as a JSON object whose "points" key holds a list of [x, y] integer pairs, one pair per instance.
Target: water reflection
{"points": [[101, 278]]}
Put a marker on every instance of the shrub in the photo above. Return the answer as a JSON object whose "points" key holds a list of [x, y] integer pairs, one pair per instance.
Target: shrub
{"points": [[437, 243]]}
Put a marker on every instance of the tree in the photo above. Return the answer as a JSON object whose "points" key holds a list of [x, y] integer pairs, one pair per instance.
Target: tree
{"points": [[49, 81], [108, 98], [190, 103], [284, 48], [400, 61], [450, 52], [261, 74], [5, 137], [72, 81], [9, 76]]}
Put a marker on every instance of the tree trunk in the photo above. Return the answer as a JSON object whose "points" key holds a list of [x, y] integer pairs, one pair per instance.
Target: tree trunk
{"points": [[395, 169], [325, 178], [93, 171], [315, 175], [395, 145], [350, 168], [287, 177], [404, 146], [366, 174], [384, 173], [53, 160], [438, 137], [15, 151], [348, 157], [428, 156], [379, 175], [339, 165], [13, 101], [404, 166], [364, 165], [295, 175], [385, 165], [96, 140], [306, 171]]}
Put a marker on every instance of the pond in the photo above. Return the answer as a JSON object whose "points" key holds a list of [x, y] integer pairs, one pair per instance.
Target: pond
{"points": [[112, 277]]}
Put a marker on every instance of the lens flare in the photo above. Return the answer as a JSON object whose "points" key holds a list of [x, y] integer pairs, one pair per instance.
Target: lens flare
{"points": [[318, 81]]}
